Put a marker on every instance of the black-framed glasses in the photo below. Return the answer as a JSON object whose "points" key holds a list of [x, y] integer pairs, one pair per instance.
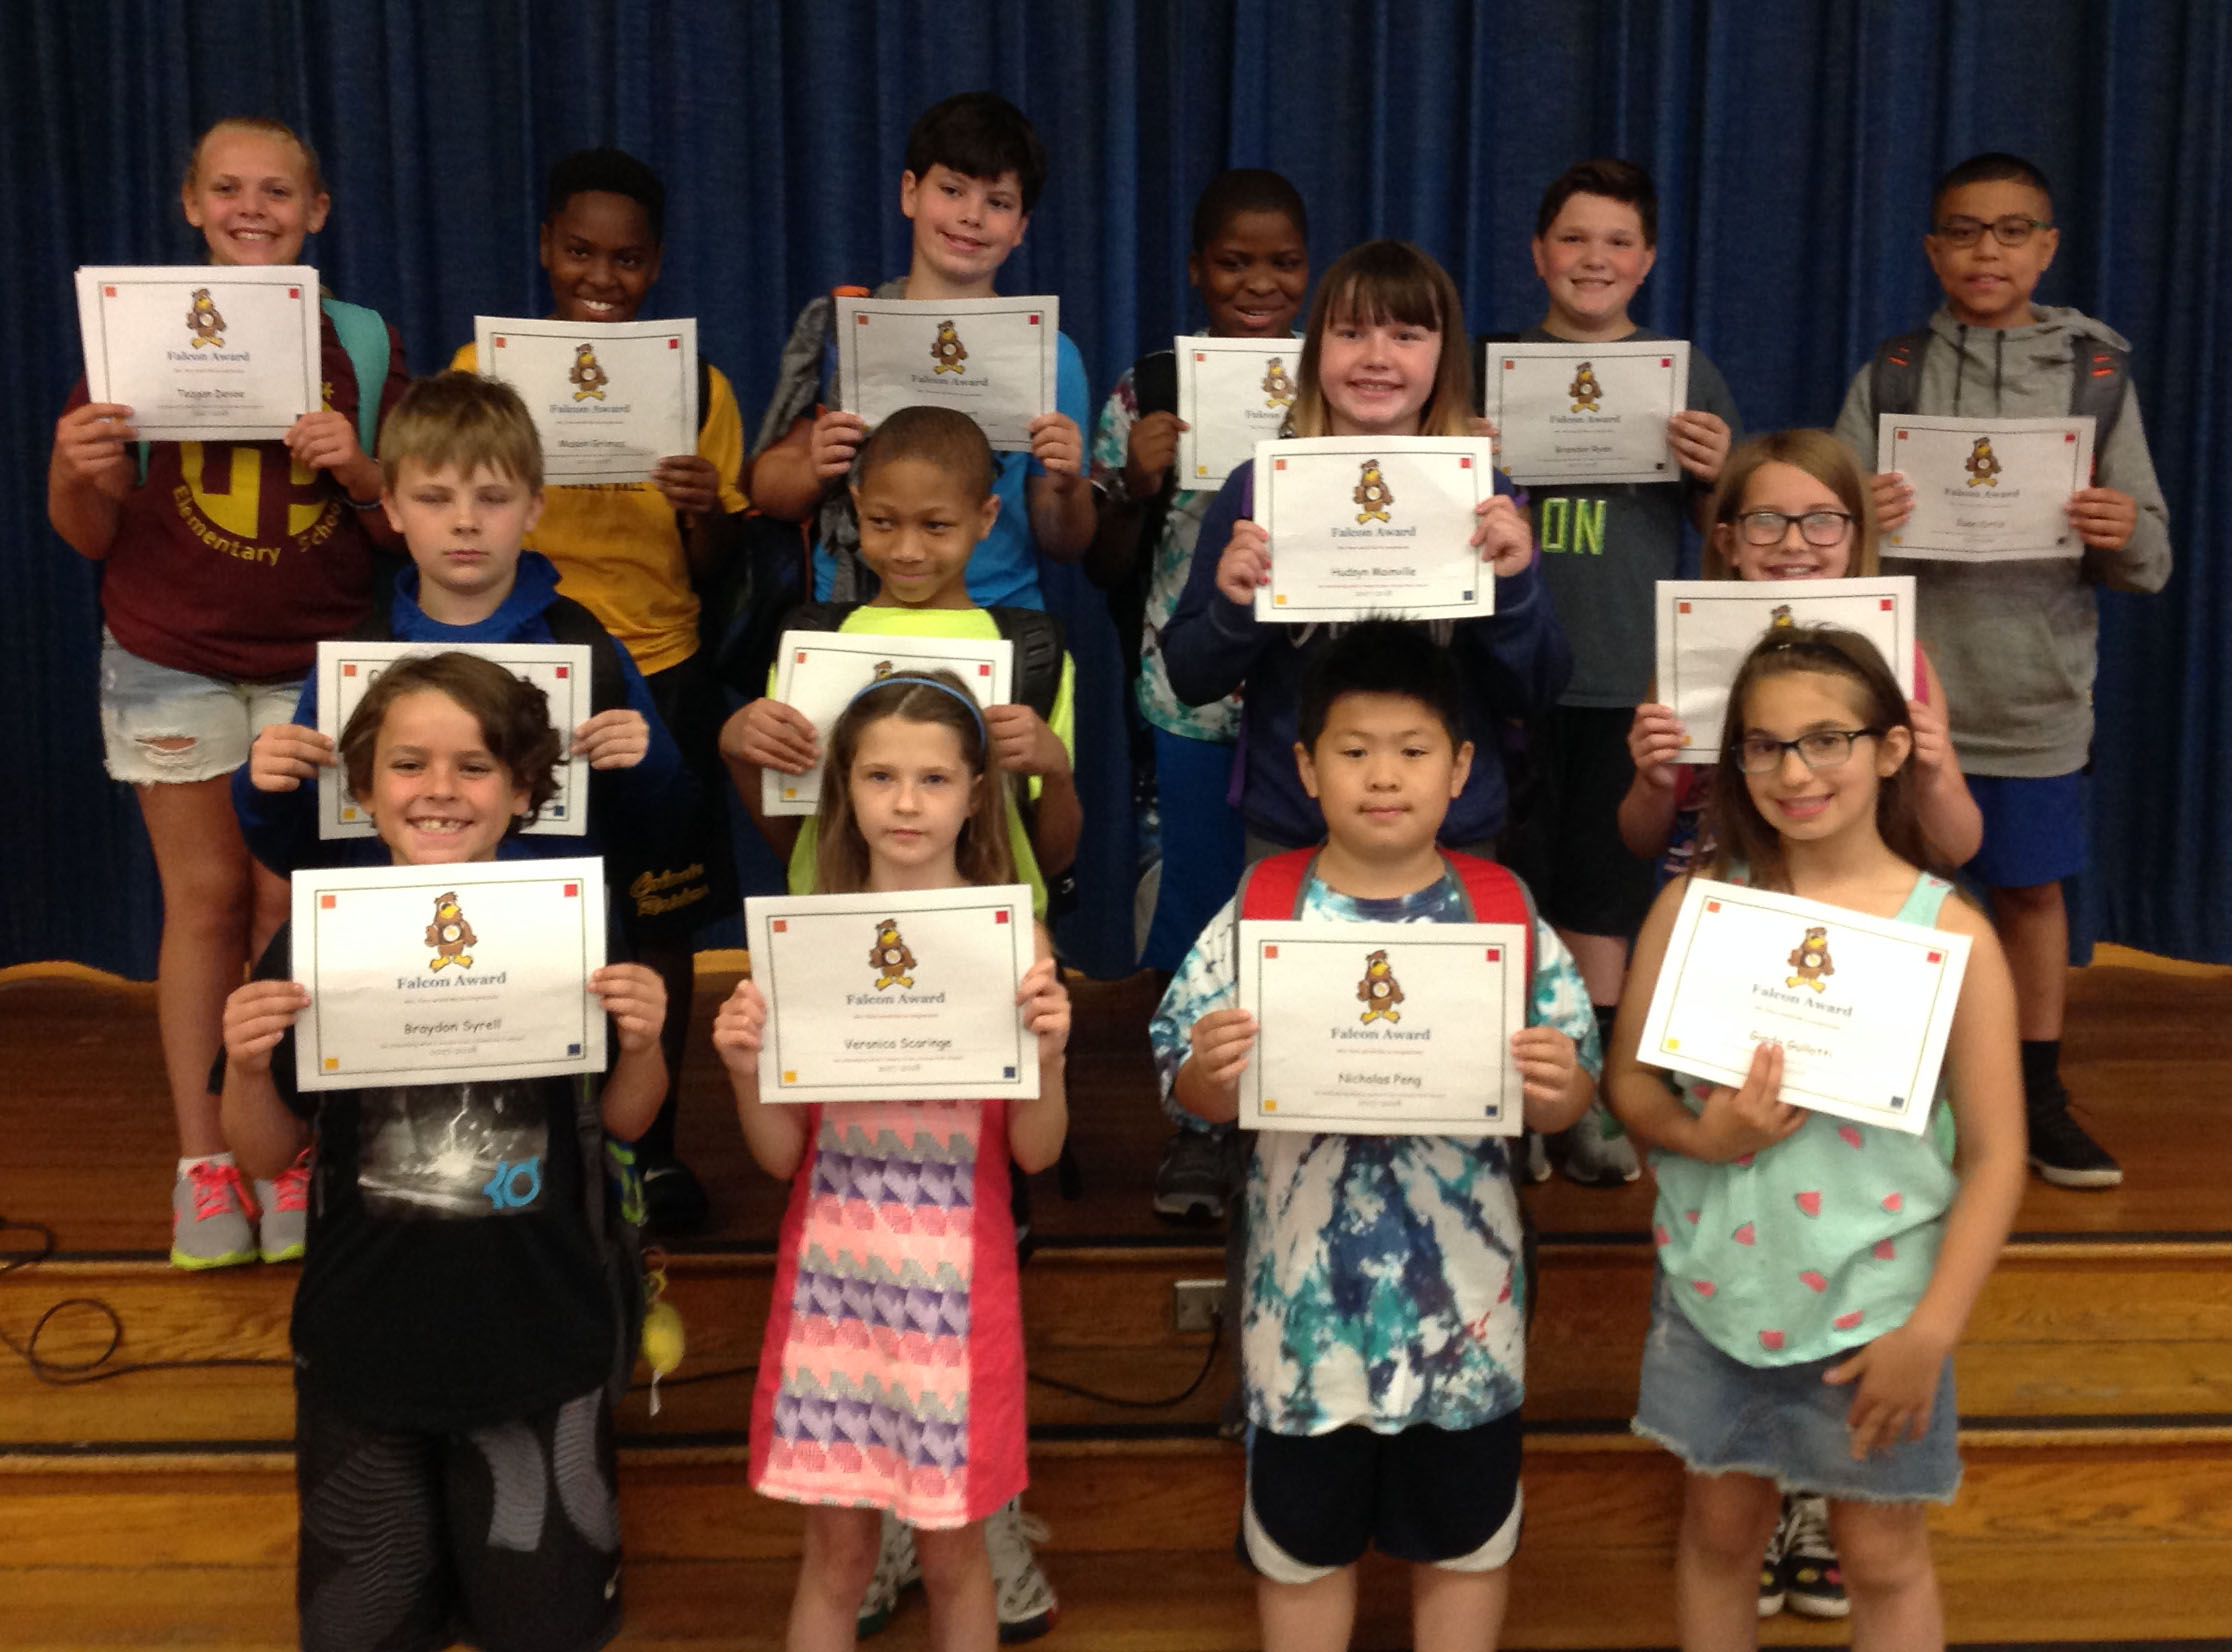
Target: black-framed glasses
{"points": [[1815, 527], [2010, 231], [1821, 748]]}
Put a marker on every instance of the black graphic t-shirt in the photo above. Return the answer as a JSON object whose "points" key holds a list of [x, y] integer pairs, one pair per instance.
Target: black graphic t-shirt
{"points": [[451, 1278]]}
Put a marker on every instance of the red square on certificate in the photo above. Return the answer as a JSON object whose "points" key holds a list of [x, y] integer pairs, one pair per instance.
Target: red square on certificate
{"points": [[1001, 916], [1495, 954], [325, 903], [573, 890]]}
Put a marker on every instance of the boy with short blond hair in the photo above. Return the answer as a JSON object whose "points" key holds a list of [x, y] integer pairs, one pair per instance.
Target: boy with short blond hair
{"points": [[2017, 642]]}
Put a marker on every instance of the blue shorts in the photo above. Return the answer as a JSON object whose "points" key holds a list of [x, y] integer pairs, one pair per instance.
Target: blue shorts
{"points": [[142, 702], [1781, 1422], [2034, 830]]}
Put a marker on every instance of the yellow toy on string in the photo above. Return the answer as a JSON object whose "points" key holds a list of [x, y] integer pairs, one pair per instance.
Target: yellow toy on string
{"points": [[663, 1342]]}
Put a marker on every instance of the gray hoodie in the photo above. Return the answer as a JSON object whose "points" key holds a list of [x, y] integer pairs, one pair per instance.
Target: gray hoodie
{"points": [[2017, 643]]}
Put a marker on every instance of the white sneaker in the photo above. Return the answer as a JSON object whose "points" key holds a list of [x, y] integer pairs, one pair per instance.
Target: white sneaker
{"points": [[897, 1570], [1024, 1598], [1596, 1152]]}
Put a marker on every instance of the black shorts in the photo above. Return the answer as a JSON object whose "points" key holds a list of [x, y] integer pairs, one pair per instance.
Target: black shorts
{"points": [[1426, 1495], [1567, 846], [687, 878], [507, 1536]]}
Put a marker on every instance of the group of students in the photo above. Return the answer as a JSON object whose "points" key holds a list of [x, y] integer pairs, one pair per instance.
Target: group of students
{"points": [[456, 1362]]}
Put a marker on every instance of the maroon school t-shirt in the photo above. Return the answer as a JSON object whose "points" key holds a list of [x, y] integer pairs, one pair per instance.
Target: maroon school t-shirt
{"points": [[232, 561]]}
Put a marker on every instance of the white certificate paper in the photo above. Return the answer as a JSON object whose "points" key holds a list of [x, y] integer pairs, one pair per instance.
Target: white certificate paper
{"points": [[560, 670], [1586, 412], [1707, 626], [610, 399], [1860, 1005], [818, 672], [991, 358], [202, 352], [1383, 1029], [1986, 490], [894, 997], [1373, 525], [1233, 394], [434, 974]]}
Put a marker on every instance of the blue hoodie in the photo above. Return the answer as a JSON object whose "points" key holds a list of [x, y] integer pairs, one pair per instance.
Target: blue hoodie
{"points": [[629, 809]]}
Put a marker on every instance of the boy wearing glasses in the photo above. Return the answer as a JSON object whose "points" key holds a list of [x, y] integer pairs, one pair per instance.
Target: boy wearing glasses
{"points": [[2017, 642]]}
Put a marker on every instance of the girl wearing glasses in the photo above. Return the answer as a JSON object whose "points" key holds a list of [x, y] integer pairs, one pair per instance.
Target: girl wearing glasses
{"points": [[1791, 505], [1815, 1276]]}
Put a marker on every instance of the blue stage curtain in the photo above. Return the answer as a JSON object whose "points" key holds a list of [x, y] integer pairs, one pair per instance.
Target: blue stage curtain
{"points": [[1794, 146]]}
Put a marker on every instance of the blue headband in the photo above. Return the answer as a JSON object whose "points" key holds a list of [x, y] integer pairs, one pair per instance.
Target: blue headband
{"points": [[963, 695]]}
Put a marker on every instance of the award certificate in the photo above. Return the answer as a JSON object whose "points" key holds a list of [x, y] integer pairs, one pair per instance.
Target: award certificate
{"points": [[991, 358], [894, 997], [1860, 1005], [818, 673], [560, 670], [203, 352], [1365, 525], [1586, 412], [610, 399], [1383, 1029], [1987, 490], [431, 974], [1233, 394]]}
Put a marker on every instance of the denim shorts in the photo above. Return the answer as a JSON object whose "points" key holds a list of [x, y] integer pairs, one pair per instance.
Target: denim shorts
{"points": [[1781, 1423], [142, 701]]}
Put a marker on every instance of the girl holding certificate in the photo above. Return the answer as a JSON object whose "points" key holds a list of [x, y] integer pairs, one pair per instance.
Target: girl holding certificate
{"points": [[223, 566], [1815, 1275], [876, 1401]]}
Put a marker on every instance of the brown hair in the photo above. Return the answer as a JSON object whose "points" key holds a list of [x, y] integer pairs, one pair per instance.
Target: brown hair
{"points": [[514, 718], [1382, 282], [1740, 834], [1821, 456], [981, 853], [262, 126], [462, 420]]}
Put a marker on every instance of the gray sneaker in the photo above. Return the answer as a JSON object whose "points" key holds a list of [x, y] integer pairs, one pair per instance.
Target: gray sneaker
{"points": [[283, 1212], [1596, 1152], [212, 1218], [1025, 1599], [897, 1570], [1190, 1180]]}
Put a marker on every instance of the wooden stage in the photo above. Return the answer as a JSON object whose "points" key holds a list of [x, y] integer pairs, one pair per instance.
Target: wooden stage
{"points": [[2096, 1387]]}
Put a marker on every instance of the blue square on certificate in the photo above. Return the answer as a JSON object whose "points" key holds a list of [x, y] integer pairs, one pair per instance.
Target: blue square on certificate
{"points": [[573, 1049], [1464, 596], [556, 811], [1007, 1072], [1897, 1102]]}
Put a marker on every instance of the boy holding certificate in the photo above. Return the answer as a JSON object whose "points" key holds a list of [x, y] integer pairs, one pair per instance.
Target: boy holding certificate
{"points": [[455, 1330], [2017, 641], [632, 554], [1383, 1319], [974, 169]]}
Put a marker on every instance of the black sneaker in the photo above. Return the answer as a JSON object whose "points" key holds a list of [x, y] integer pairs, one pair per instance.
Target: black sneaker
{"points": [[674, 1203], [1771, 1590], [2061, 1150], [1190, 1181], [1813, 1586]]}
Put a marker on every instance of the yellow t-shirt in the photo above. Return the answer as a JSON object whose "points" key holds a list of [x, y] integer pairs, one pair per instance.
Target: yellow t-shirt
{"points": [[619, 549], [968, 625]]}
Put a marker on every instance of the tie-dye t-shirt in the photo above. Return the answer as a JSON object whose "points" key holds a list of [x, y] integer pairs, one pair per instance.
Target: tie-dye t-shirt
{"points": [[1384, 1285]]}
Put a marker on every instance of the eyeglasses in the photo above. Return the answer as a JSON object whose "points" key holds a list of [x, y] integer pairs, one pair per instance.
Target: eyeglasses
{"points": [[1817, 527], [1823, 748], [2011, 231]]}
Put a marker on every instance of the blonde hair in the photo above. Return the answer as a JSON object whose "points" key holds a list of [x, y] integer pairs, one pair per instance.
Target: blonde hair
{"points": [[262, 126], [463, 420], [1821, 456], [1384, 282], [981, 853]]}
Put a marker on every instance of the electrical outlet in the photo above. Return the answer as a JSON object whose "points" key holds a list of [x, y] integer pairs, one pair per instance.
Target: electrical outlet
{"points": [[1195, 1304]]}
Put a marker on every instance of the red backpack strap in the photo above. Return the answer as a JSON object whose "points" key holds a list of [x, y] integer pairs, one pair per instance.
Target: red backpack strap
{"points": [[1496, 897], [1273, 886]]}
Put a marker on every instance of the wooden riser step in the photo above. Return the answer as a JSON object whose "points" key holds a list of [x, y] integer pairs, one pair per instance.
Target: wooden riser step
{"points": [[2067, 1539], [2063, 1331]]}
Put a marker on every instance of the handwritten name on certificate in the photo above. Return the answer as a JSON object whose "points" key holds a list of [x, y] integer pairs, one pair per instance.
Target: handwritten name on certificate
{"points": [[1233, 393], [991, 358], [432, 974], [203, 352], [817, 673], [1707, 626], [1383, 1029], [1367, 525], [1586, 412], [560, 670], [610, 399], [894, 997], [1860, 1005], [1987, 490]]}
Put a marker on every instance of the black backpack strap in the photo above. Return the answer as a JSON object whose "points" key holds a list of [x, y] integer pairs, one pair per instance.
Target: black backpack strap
{"points": [[1039, 654], [1895, 375], [574, 625], [2100, 373]]}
